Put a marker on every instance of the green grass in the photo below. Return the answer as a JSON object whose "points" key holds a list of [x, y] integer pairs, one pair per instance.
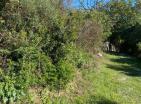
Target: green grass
{"points": [[118, 81]]}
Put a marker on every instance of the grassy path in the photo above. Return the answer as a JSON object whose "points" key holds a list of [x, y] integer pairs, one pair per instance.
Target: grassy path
{"points": [[118, 81]]}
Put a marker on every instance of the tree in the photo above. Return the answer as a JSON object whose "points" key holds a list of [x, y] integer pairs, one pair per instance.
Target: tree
{"points": [[123, 15]]}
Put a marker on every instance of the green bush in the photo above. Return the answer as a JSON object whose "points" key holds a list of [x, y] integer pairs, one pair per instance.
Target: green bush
{"points": [[65, 73], [35, 66], [76, 55], [38, 45], [33, 42], [9, 90]]}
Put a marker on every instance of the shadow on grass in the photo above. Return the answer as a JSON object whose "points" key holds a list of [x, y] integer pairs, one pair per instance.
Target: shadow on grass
{"points": [[128, 65], [99, 100], [128, 70], [117, 54]]}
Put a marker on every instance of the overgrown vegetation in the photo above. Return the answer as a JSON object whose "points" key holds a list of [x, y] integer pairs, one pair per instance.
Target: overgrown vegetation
{"points": [[44, 45]]}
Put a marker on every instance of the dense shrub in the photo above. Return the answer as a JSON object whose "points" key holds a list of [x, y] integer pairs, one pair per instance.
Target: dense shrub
{"points": [[65, 73], [95, 29], [76, 56], [38, 44], [33, 40], [9, 90], [90, 37]]}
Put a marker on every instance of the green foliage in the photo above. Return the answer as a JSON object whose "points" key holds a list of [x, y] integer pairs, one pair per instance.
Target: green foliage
{"points": [[9, 90], [125, 19], [94, 29], [104, 21], [122, 14], [65, 73], [32, 47], [76, 56], [39, 41], [35, 67]]}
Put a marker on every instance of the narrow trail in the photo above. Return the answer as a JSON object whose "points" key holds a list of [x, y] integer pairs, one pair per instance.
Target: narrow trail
{"points": [[119, 80]]}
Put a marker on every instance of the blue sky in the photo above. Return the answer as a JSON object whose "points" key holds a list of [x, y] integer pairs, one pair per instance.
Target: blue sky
{"points": [[76, 3]]}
